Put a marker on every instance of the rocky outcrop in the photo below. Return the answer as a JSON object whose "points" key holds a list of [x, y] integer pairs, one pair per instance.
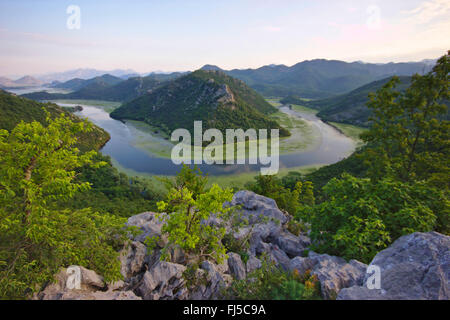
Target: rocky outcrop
{"points": [[256, 208], [91, 287], [163, 281], [214, 280], [149, 225], [416, 266], [334, 273], [132, 259], [237, 267]]}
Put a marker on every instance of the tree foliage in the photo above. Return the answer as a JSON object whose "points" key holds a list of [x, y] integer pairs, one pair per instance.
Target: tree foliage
{"points": [[38, 170], [188, 223], [410, 134], [361, 218], [272, 283], [287, 199]]}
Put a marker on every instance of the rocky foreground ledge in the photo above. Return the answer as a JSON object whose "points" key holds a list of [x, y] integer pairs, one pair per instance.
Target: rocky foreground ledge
{"points": [[416, 266]]}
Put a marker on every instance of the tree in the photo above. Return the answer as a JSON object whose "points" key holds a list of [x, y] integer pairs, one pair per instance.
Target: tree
{"points": [[362, 217], [409, 137], [37, 172], [187, 222], [286, 199]]}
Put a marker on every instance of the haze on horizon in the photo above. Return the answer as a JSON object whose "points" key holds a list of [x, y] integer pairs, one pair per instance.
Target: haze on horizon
{"points": [[180, 35]]}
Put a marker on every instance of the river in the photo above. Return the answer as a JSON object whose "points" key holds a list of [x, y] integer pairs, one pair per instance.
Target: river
{"points": [[124, 149]]}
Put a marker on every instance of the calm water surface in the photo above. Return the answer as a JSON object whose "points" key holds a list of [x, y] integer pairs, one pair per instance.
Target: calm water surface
{"points": [[333, 146]]}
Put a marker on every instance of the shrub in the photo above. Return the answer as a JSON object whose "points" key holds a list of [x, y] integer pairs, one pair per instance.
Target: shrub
{"points": [[272, 283]]}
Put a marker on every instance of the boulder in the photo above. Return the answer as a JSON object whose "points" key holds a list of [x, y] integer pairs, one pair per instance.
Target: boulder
{"points": [[236, 266], [278, 256], [132, 258], [163, 281], [334, 273], [100, 295], [292, 245], [253, 263], [149, 225], [258, 208], [414, 267], [92, 287], [214, 281]]}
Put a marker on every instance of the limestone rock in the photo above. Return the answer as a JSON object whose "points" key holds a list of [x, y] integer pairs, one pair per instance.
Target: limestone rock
{"points": [[236, 266], [132, 258], [148, 223], [414, 267], [256, 207], [334, 273], [163, 281]]}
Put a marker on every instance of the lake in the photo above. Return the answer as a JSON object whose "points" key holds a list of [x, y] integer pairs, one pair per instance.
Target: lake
{"points": [[125, 150]]}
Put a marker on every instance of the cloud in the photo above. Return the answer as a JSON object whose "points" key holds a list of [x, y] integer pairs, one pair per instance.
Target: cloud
{"points": [[429, 11]]}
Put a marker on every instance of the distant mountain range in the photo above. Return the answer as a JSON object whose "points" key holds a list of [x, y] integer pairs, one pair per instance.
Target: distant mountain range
{"points": [[213, 97], [85, 74], [23, 82], [105, 87], [320, 78]]}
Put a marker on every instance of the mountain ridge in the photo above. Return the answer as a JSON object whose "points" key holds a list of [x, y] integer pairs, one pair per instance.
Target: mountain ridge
{"points": [[218, 100]]}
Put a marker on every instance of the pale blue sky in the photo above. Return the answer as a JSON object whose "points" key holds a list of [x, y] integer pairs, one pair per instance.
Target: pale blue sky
{"points": [[184, 35]]}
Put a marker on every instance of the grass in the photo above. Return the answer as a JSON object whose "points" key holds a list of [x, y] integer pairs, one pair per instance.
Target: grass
{"points": [[239, 180], [236, 181], [303, 137], [108, 106], [350, 131], [299, 108]]}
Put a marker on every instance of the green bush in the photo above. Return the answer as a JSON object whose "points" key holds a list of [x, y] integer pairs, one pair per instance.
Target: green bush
{"points": [[37, 171], [361, 217], [272, 283]]}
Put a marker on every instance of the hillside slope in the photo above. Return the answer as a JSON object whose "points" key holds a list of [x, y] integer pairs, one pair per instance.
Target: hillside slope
{"points": [[351, 107], [15, 109], [316, 79], [218, 100]]}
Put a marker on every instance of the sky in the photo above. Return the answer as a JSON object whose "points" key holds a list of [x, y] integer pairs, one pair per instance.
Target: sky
{"points": [[41, 36]]}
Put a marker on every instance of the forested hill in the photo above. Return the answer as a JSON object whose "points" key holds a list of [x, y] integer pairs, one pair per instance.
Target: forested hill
{"points": [[218, 100], [351, 107], [15, 109], [96, 89], [320, 78]]}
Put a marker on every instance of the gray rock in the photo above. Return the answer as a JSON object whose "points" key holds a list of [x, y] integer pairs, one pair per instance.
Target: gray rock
{"points": [[163, 281], [117, 286], [292, 245], [334, 273], [253, 263], [256, 208], [149, 224], [92, 287], [99, 295], [414, 267], [279, 257], [301, 264], [91, 279], [132, 258], [236, 266], [215, 282]]}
